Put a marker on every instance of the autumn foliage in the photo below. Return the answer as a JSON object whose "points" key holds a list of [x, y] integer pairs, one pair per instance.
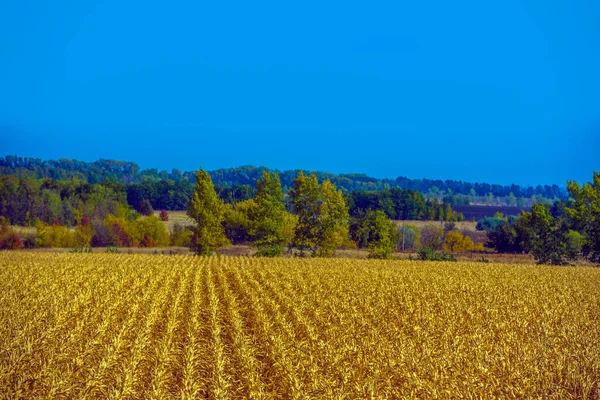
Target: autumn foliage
{"points": [[9, 240]]}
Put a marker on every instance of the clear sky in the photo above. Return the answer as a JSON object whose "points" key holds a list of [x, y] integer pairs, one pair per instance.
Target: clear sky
{"points": [[504, 92]]}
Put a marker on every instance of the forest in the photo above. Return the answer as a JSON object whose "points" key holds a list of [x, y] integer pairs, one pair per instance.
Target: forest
{"points": [[112, 203], [128, 172]]}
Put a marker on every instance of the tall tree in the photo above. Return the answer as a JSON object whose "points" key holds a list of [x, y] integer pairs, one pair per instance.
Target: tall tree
{"points": [[548, 237], [208, 212], [305, 201], [332, 231], [585, 214], [269, 215], [322, 215]]}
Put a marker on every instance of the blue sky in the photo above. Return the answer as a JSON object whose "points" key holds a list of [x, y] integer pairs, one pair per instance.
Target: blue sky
{"points": [[479, 91]]}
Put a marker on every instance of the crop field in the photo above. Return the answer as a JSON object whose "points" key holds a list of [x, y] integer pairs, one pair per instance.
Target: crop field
{"points": [[153, 326]]}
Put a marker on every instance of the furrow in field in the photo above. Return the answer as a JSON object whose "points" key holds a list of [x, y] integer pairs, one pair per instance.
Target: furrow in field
{"points": [[258, 329], [68, 362], [196, 351], [288, 362], [221, 372], [119, 345], [246, 374], [166, 379], [44, 340]]}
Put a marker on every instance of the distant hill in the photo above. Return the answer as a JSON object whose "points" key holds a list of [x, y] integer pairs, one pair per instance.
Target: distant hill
{"points": [[129, 172]]}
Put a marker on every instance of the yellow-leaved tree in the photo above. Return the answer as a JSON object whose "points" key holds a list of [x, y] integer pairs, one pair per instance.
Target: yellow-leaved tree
{"points": [[208, 213]]}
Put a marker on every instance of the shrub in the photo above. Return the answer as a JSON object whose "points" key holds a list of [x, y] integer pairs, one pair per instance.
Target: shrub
{"points": [[9, 240], [103, 235], [145, 208], [270, 251], [489, 223], [164, 215], [432, 236], [29, 242], [54, 236], [151, 232], [181, 236], [429, 254]]}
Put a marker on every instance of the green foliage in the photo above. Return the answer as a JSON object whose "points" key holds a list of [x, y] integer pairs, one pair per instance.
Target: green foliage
{"points": [[489, 223], [584, 211], [269, 216], [181, 236], [322, 223], [574, 244], [54, 236], [305, 201], [429, 254], [151, 232], [548, 237], [238, 223], [375, 231], [273, 250], [408, 237], [208, 213], [332, 231]]}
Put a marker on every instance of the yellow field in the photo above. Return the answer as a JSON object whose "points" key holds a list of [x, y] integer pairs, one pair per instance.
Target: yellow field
{"points": [[148, 326]]}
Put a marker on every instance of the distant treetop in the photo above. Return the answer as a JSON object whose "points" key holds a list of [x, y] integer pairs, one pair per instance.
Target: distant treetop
{"points": [[129, 172]]}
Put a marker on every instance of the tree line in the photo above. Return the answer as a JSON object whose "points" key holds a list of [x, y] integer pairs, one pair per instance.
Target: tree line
{"points": [[313, 218], [128, 172], [555, 234], [317, 223]]}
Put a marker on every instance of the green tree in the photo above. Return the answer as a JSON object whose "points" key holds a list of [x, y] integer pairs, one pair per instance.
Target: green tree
{"points": [[238, 223], [548, 238], [332, 231], [305, 202], [322, 213], [585, 214], [269, 216], [382, 239], [208, 212]]}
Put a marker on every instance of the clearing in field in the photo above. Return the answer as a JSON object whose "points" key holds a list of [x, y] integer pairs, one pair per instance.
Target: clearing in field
{"points": [[141, 326]]}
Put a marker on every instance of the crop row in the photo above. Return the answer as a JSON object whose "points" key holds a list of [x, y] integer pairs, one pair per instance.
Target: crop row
{"points": [[137, 326]]}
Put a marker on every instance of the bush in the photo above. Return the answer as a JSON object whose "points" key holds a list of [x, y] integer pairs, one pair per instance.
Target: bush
{"points": [[164, 215], [103, 235], [9, 240], [270, 251], [408, 237], [151, 232], [489, 223], [54, 236], [429, 254], [30, 242], [181, 236], [432, 236], [145, 208]]}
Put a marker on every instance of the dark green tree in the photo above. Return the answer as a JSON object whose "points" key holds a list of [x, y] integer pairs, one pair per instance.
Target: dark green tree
{"points": [[305, 202], [585, 214], [375, 231], [548, 237], [269, 215]]}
